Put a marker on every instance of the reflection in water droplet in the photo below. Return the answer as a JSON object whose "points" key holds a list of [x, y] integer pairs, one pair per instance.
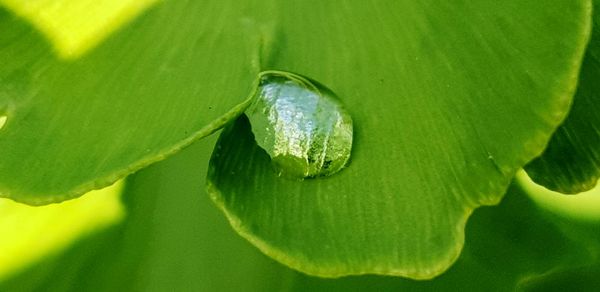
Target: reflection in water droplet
{"points": [[2, 121], [301, 125]]}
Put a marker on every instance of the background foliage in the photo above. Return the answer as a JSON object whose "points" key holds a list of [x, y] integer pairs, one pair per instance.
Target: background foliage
{"points": [[435, 139]]}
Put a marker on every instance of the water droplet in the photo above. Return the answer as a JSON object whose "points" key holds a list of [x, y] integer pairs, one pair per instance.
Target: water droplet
{"points": [[301, 124], [2, 121]]}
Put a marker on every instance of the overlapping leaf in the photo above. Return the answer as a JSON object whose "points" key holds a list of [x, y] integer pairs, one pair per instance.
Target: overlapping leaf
{"points": [[175, 75], [448, 100], [571, 163]]}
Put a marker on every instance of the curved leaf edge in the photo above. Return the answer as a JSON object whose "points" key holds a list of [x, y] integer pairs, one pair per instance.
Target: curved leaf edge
{"points": [[565, 97], [306, 266], [309, 267], [572, 182], [572, 190], [564, 93], [581, 208], [540, 177], [144, 162]]}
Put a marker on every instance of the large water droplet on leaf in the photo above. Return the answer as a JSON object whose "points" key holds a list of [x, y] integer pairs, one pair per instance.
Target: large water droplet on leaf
{"points": [[301, 125]]}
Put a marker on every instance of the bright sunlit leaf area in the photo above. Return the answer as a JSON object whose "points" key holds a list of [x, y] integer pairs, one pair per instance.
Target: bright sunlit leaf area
{"points": [[28, 234], [585, 205]]}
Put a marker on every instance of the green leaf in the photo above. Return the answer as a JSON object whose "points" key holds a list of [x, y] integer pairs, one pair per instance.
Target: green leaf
{"points": [[434, 90], [176, 74], [584, 206], [186, 67], [448, 101], [571, 163]]}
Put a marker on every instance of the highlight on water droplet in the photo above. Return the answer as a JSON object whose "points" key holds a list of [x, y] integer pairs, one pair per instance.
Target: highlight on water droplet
{"points": [[301, 124]]}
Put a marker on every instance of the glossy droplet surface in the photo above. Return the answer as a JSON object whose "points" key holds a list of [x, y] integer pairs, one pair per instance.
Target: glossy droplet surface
{"points": [[301, 125]]}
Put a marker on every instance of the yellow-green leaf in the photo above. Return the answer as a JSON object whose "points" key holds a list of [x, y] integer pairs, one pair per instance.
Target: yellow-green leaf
{"points": [[29, 234]]}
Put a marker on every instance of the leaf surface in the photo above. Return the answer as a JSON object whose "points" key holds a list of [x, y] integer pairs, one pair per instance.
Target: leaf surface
{"points": [[571, 163], [448, 101], [434, 91], [176, 74]]}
